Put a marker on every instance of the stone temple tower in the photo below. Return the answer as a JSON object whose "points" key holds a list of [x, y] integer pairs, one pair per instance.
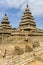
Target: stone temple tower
{"points": [[5, 23], [5, 29], [27, 21]]}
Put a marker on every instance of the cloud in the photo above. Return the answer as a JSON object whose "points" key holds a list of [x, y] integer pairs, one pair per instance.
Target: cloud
{"points": [[11, 3], [36, 6]]}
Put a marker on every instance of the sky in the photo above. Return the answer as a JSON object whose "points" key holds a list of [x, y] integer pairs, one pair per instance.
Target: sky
{"points": [[15, 8]]}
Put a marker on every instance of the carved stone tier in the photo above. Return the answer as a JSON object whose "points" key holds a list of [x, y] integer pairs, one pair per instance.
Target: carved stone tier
{"points": [[27, 21]]}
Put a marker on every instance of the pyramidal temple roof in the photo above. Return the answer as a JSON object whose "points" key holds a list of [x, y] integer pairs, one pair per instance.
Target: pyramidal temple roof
{"points": [[5, 20], [27, 20]]}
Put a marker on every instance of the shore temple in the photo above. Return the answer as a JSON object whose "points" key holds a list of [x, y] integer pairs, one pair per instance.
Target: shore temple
{"points": [[27, 39]]}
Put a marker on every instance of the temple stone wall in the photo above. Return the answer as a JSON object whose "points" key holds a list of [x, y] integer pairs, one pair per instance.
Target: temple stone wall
{"points": [[36, 38], [0, 38]]}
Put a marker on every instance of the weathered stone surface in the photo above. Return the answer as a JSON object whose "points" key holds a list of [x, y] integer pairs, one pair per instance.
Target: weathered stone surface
{"points": [[36, 44], [18, 50], [28, 48]]}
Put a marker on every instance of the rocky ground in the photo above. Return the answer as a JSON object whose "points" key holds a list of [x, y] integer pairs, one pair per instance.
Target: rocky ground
{"points": [[25, 59], [35, 62], [29, 58]]}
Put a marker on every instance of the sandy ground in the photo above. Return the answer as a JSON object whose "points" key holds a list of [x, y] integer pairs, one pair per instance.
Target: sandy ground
{"points": [[35, 62]]}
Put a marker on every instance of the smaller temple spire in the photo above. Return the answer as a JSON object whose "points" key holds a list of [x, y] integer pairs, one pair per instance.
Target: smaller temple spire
{"points": [[5, 20], [5, 17]]}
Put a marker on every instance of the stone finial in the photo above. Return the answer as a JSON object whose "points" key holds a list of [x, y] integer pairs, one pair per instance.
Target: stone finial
{"points": [[5, 14], [27, 5]]}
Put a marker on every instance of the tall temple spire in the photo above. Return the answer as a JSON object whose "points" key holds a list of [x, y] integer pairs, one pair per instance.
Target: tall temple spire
{"points": [[27, 20]]}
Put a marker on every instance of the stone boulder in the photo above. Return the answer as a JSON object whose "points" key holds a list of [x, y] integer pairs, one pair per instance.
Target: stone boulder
{"points": [[36, 44], [28, 48], [18, 50]]}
